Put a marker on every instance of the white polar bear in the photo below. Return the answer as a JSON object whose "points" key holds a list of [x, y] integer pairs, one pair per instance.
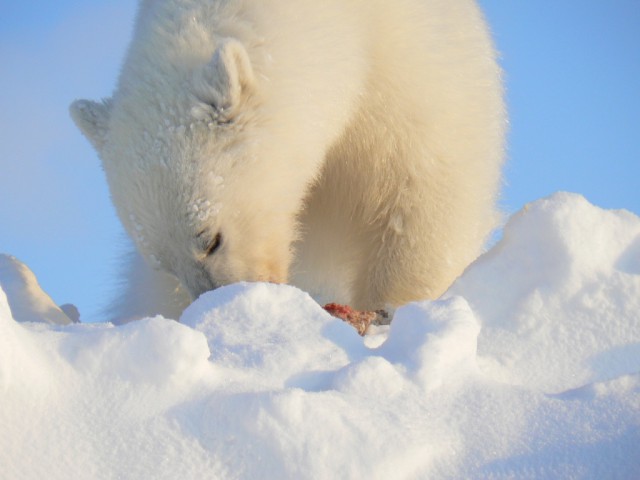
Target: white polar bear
{"points": [[350, 147]]}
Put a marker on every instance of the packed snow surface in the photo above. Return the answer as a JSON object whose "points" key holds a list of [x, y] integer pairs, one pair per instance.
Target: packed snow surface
{"points": [[529, 367]]}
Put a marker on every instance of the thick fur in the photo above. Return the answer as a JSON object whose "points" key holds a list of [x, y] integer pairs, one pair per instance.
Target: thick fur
{"points": [[350, 147]]}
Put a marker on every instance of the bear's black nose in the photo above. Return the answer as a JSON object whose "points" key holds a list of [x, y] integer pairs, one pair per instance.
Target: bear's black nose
{"points": [[197, 281]]}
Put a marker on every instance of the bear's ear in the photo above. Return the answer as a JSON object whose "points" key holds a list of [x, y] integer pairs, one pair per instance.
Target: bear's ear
{"points": [[92, 118], [223, 82]]}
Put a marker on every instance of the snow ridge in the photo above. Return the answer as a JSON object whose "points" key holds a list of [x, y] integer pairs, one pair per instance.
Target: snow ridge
{"points": [[529, 367]]}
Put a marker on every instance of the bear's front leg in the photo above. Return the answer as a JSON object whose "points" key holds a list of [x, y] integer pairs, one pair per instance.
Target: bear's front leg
{"points": [[404, 260]]}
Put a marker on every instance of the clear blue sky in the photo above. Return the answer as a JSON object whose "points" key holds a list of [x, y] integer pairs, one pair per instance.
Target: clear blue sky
{"points": [[572, 71]]}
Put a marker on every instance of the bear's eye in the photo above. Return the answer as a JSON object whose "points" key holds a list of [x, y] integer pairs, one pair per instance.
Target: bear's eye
{"points": [[214, 245]]}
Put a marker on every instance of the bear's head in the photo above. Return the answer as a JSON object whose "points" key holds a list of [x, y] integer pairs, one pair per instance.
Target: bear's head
{"points": [[183, 153]]}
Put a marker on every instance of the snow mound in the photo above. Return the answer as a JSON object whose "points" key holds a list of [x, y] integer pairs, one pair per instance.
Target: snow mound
{"points": [[529, 367], [559, 296]]}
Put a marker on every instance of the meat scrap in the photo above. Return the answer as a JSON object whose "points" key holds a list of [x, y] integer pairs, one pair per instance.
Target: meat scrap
{"points": [[358, 319]]}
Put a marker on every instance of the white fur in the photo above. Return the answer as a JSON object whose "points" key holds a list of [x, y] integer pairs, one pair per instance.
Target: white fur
{"points": [[27, 300], [350, 147]]}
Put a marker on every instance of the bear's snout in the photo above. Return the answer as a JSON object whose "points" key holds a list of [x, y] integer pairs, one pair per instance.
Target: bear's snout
{"points": [[197, 282]]}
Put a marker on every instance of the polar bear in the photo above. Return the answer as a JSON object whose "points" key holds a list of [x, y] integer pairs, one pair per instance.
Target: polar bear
{"points": [[352, 148]]}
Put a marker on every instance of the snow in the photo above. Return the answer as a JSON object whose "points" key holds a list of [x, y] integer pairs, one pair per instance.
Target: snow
{"points": [[528, 367]]}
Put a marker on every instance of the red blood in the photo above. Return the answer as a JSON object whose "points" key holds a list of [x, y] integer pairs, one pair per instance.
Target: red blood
{"points": [[338, 310], [359, 319]]}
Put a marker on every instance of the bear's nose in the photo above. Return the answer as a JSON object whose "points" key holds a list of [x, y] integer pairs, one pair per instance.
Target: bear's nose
{"points": [[197, 281]]}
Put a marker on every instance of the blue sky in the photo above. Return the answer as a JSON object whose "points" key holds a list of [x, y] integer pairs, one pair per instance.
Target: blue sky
{"points": [[572, 73]]}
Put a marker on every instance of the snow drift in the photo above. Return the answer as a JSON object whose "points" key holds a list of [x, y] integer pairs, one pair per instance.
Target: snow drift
{"points": [[529, 367]]}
